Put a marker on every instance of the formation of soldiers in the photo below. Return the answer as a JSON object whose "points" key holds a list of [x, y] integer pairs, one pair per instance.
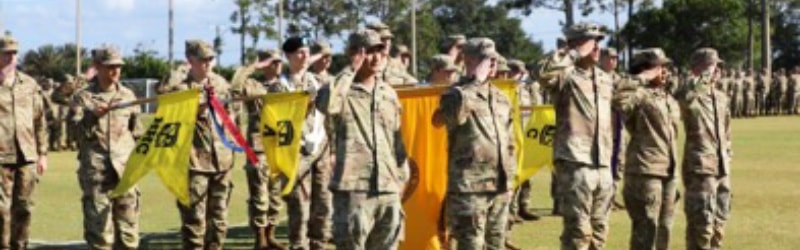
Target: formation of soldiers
{"points": [[763, 94], [611, 127]]}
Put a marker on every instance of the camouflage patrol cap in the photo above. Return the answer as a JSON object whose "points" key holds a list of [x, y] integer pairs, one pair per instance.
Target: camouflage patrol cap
{"points": [[584, 30], [480, 47], [381, 28], [443, 62], [703, 55], [200, 49], [561, 41], [107, 55], [321, 47], [401, 49], [516, 65], [502, 64], [652, 56], [453, 40], [377, 26], [8, 44], [609, 52], [366, 38], [269, 55]]}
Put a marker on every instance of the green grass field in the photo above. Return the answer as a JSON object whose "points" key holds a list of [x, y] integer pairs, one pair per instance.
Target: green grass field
{"points": [[765, 187]]}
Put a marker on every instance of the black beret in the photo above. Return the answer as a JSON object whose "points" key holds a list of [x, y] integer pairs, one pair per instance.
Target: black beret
{"points": [[294, 43]]}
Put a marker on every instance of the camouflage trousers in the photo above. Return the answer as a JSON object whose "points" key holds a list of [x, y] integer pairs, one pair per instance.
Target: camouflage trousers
{"points": [[264, 203], [584, 194], [309, 207], [707, 207], [205, 220], [477, 220], [522, 198], [650, 202], [16, 204], [366, 221], [108, 223]]}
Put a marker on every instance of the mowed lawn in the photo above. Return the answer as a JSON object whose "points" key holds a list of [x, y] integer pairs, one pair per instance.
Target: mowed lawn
{"points": [[766, 191]]}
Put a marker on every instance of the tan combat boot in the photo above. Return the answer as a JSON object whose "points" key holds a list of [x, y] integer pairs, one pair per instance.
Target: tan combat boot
{"points": [[261, 239], [273, 243]]}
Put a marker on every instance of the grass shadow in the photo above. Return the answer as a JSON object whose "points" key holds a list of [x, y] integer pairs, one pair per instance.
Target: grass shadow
{"points": [[238, 238]]}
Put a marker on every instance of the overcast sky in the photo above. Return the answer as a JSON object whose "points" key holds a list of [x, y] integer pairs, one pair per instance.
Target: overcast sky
{"points": [[126, 23]]}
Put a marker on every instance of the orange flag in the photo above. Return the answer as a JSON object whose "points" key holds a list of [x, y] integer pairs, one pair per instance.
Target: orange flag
{"points": [[426, 145]]}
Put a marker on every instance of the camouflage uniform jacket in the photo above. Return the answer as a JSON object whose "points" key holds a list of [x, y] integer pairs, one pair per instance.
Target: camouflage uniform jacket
{"points": [[252, 87], [208, 154], [763, 85], [23, 126], [794, 84], [111, 134], [736, 90], [748, 87], [782, 86], [323, 78], [651, 118], [395, 74], [582, 101], [480, 141], [706, 120], [370, 155]]}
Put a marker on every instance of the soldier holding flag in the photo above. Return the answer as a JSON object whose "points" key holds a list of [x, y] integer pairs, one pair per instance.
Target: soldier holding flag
{"points": [[205, 219], [105, 140]]}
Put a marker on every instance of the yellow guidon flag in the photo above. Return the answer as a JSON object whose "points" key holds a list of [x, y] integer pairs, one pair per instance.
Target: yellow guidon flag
{"points": [[165, 146], [509, 88], [537, 147], [282, 119], [534, 143], [426, 145]]}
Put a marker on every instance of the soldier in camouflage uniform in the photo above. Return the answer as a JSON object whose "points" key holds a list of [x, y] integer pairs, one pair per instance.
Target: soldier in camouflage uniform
{"points": [[737, 94], [364, 114], [501, 69], [264, 202], [707, 159], [793, 94], [321, 196], [62, 97], [749, 95], [779, 97], [609, 59], [453, 47], [313, 147], [395, 70], [51, 114], [443, 70], [320, 67], [205, 220], [652, 118], [481, 164], [583, 139], [23, 150], [762, 89], [106, 138]]}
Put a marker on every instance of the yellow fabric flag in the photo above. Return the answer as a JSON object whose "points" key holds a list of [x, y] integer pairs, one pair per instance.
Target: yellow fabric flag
{"points": [[165, 146], [538, 145], [509, 88], [282, 119], [426, 146]]}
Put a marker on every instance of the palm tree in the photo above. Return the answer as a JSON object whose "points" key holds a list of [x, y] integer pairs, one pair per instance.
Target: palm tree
{"points": [[46, 61]]}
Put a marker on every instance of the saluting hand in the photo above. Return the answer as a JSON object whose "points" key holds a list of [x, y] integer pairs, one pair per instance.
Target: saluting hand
{"points": [[358, 59]]}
